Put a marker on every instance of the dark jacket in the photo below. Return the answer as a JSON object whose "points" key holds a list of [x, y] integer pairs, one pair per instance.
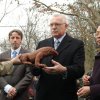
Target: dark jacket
{"points": [[20, 79], [95, 80], [55, 86]]}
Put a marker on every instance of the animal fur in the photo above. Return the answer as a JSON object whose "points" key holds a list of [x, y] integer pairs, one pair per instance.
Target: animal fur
{"points": [[36, 56]]}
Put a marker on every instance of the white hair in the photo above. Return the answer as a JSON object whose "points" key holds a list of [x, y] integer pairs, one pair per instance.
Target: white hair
{"points": [[60, 15]]}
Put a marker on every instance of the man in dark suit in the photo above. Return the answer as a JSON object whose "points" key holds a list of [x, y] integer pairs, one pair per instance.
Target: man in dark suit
{"points": [[58, 80], [92, 83], [14, 86]]}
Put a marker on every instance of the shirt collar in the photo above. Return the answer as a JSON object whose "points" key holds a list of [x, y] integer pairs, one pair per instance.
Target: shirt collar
{"points": [[60, 39], [17, 50]]}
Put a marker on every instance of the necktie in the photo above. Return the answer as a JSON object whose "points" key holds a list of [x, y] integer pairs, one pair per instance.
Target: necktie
{"points": [[14, 54], [57, 42]]}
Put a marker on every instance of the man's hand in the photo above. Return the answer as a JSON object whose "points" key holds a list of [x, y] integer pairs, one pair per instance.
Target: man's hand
{"points": [[56, 69], [85, 80], [84, 91], [12, 92], [16, 60]]}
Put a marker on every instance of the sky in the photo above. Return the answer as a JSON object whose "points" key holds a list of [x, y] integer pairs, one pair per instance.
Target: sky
{"points": [[58, 1], [17, 17]]}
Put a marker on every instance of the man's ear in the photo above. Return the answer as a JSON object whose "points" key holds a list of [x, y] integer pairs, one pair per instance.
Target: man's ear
{"points": [[66, 25]]}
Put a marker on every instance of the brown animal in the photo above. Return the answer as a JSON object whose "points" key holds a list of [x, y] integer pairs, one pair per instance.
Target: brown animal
{"points": [[36, 56]]}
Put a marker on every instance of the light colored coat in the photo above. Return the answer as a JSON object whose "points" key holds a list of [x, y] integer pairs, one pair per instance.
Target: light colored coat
{"points": [[6, 67]]}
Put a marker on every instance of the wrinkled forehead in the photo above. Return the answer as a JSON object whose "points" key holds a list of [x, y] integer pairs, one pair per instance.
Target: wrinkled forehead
{"points": [[58, 19]]}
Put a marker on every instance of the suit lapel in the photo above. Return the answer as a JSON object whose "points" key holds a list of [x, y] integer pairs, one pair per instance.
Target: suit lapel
{"points": [[64, 44], [51, 42], [21, 50], [8, 54], [97, 56]]}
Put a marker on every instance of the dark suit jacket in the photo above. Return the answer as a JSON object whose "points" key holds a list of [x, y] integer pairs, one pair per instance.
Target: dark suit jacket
{"points": [[54, 86], [95, 80], [20, 78]]}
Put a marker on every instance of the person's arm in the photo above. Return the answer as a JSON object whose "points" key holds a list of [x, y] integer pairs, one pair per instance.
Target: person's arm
{"points": [[84, 91], [74, 71], [6, 67], [86, 80], [25, 81], [77, 69], [95, 90]]}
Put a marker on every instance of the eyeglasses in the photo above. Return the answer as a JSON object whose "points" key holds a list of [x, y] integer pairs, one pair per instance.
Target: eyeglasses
{"points": [[56, 24]]}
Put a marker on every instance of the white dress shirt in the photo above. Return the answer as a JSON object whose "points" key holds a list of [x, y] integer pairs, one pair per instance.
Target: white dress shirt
{"points": [[58, 40]]}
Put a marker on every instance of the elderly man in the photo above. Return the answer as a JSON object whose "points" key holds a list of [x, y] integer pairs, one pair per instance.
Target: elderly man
{"points": [[58, 80]]}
